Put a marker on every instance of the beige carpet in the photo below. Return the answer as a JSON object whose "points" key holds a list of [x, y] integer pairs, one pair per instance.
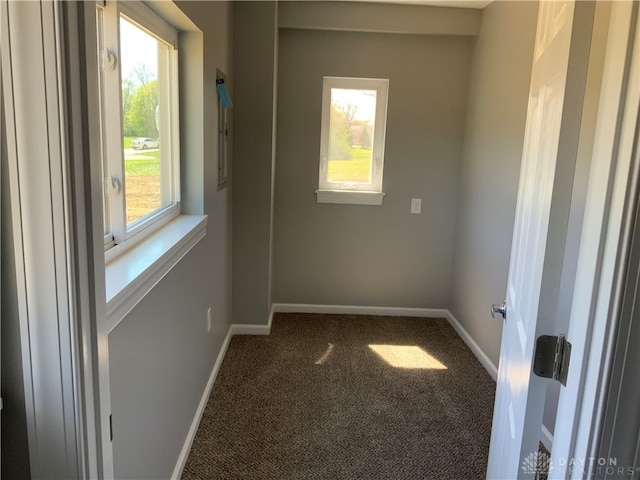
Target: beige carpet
{"points": [[346, 397]]}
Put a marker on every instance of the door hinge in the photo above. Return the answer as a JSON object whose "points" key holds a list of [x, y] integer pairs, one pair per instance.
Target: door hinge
{"points": [[552, 356], [111, 427]]}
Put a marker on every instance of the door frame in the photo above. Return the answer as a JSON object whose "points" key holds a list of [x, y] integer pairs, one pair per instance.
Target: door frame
{"points": [[621, 403], [604, 244], [55, 201]]}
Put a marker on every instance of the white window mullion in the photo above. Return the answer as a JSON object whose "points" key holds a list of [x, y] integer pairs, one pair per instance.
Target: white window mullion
{"points": [[106, 222], [114, 183], [164, 124], [379, 135], [324, 133], [175, 124]]}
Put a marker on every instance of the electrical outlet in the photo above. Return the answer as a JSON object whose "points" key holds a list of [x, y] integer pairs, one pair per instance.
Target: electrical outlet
{"points": [[416, 205], [209, 320]]}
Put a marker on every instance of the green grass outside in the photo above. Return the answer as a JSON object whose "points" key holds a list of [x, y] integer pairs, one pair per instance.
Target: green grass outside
{"points": [[143, 163], [358, 169]]}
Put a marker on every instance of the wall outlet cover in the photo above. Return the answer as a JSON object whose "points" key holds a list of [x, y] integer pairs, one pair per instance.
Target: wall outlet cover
{"points": [[416, 205]]}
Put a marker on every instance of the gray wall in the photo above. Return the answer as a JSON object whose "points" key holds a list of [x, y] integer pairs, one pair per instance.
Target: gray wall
{"points": [[499, 89], [379, 18], [254, 53], [370, 255], [161, 356], [160, 360]]}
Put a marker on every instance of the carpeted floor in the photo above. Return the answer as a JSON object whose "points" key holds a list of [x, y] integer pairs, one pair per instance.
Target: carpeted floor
{"points": [[319, 398]]}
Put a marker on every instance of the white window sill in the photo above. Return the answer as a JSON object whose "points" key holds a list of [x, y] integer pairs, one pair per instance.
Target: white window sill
{"points": [[351, 197], [130, 276]]}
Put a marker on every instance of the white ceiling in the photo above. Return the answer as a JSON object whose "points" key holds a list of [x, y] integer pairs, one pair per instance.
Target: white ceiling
{"points": [[438, 3]]}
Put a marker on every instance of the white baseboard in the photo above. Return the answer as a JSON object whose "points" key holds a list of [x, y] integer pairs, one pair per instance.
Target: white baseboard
{"points": [[546, 438], [360, 310], [396, 312], [184, 453], [246, 329], [249, 329], [475, 348], [234, 329]]}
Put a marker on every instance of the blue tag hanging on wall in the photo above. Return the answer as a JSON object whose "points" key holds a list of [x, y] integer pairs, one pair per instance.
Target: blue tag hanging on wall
{"points": [[224, 93]]}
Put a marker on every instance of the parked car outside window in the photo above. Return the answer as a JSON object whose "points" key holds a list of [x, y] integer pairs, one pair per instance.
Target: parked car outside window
{"points": [[142, 143]]}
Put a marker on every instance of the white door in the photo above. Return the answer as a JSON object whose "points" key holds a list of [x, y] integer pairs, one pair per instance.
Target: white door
{"points": [[520, 394]]}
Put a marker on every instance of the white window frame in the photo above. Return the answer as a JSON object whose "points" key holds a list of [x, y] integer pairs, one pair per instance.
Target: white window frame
{"points": [[347, 192], [120, 236]]}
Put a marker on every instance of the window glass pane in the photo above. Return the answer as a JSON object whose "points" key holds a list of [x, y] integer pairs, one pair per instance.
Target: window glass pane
{"points": [[351, 127], [144, 77]]}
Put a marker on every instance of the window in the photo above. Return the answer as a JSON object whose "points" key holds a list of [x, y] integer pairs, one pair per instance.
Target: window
{"points": [[139, 120], [354, 114], [147, 231]]}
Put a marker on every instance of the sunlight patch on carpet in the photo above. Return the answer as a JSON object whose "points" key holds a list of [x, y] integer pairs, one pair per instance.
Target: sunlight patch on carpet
{"points": [[325, 355], [405, 356]]}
